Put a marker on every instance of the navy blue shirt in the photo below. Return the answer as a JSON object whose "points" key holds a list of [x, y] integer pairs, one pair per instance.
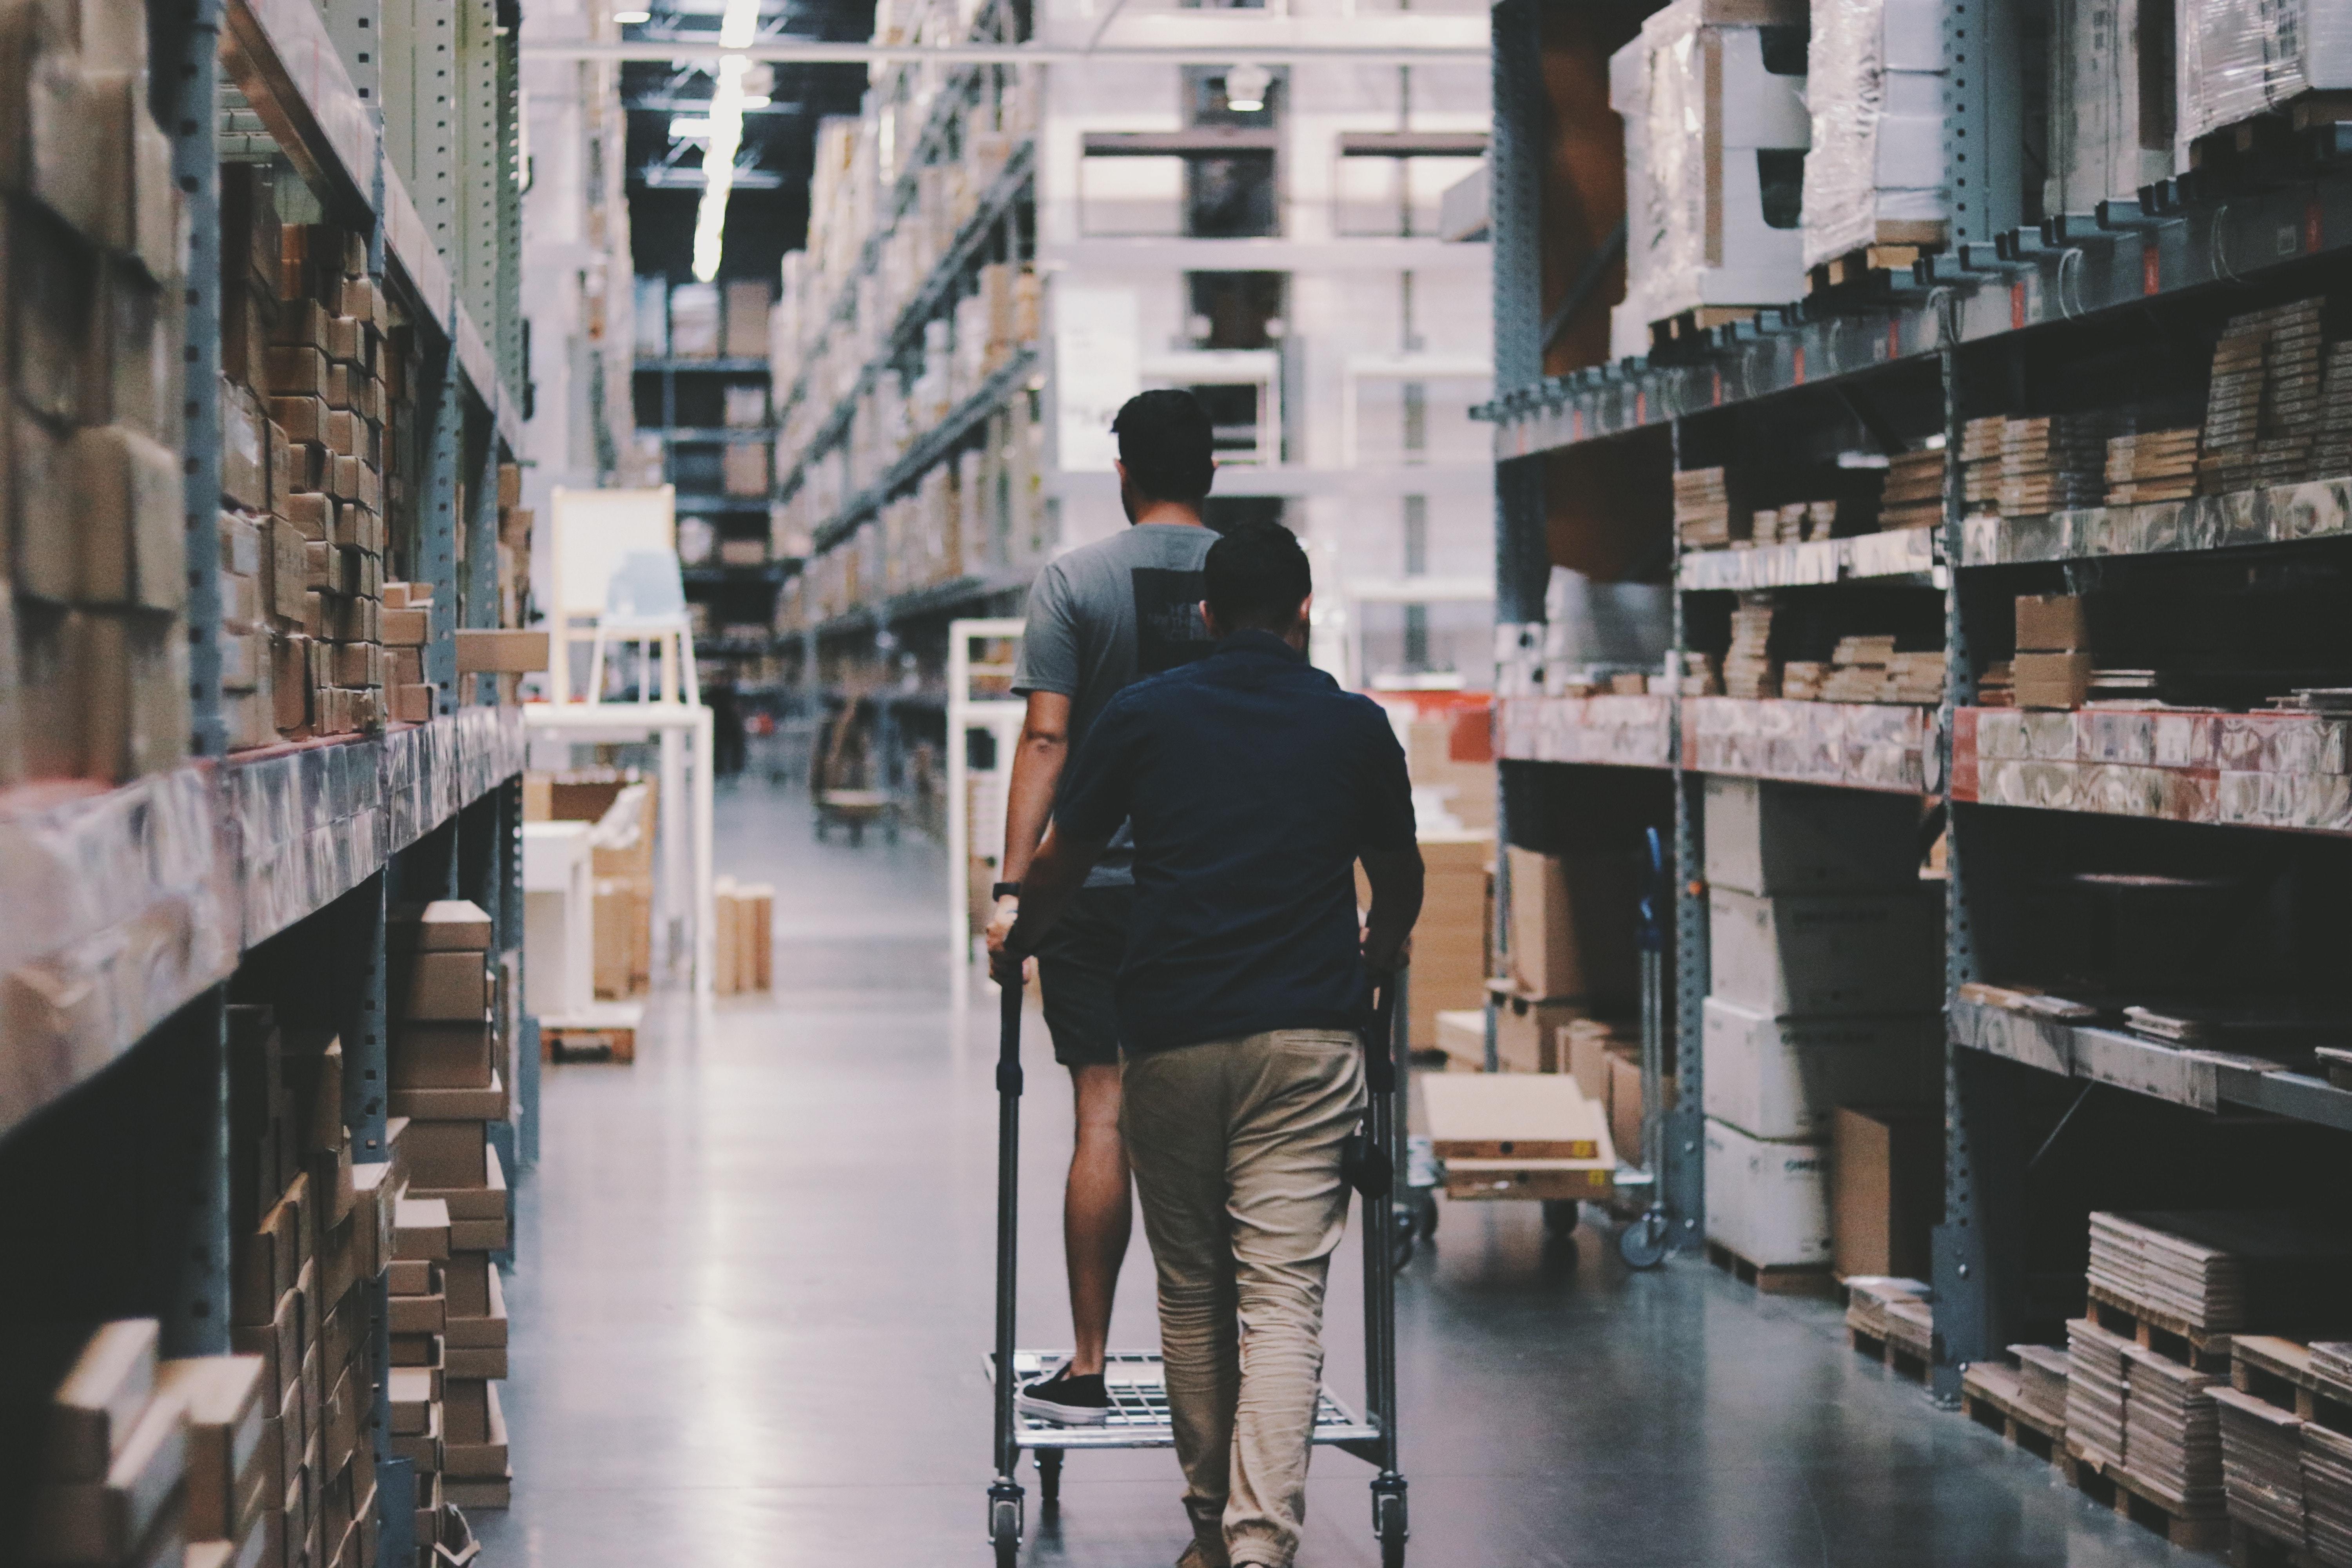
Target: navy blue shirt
{"points": [[1253, 782]]}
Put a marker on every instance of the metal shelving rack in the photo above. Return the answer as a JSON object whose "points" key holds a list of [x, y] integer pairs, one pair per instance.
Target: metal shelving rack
{"points": [[1966, 334], [734, 584], [145, 899]]}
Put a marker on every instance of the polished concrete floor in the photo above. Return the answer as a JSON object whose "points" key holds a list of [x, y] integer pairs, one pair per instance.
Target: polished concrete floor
{"points": [[754, 1292]]}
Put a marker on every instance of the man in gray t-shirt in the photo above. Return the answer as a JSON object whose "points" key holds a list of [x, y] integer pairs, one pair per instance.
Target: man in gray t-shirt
{"points": [[1100, 619]]}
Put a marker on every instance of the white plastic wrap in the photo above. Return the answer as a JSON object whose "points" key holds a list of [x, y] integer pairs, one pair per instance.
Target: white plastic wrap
{"points": [[1874, 83], [2238, 58], [2097, 151], [1698, 106]]}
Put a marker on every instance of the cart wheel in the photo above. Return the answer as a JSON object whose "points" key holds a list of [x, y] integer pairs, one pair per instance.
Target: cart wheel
{"points": [[1004, 1523], [1424, 1213], [1642, 1243], [1389, 1519], [1049, 1478], [1561, 1215]]}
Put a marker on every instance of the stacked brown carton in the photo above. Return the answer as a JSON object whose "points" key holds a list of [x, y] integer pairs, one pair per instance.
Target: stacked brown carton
{"points": [[2052, 666], [1914, 494], [309, 379], [1980, 443], [1748, 667], [152, 1462], [407, 622], [2331, 458], [745, 945], [1869, 669], [98, 689], [300, 1260], [2263, 411], [2041, 1386], [515, 523], [446, 1058], [2152, 466]]}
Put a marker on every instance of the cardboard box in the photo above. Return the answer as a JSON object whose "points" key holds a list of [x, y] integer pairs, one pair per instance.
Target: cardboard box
{"points": [[467, 1280], [443, 1055], [1573, 922], [1585, 1046], [444, 1154], [1843, 954], [1527, 1031], [223, 1398], [2051, 679], [445, 925], [1625, 1102], [1767, 1202], [1781, 1078], [500, 652], [421, 1229], [1769, 837], [489, 1103], [2052, 623], [105, 1521], [1889, 1185], [440, 986], [406, 627], [100, 1400], [1449, 943]]}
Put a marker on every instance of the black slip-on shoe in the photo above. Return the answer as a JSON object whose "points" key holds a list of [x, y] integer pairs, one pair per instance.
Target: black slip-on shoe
{"points": [[1070, 1401]]}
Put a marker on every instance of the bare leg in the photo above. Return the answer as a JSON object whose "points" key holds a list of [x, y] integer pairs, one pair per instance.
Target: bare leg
{"points": [[1097, 1215]]}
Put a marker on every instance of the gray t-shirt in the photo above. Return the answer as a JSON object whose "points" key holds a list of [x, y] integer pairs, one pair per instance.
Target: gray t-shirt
{"points": [[1108, 614]]}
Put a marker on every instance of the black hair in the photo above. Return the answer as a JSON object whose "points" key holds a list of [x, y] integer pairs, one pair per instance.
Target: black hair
{"points": [[1257, 576], [1165, 441]]}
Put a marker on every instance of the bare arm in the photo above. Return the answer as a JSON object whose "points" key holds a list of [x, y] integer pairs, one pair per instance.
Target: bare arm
{"points": [[1055, 876], [1037, 764], [1395, 876]]}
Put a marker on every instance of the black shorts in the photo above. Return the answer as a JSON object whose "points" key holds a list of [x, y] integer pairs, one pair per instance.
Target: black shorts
{"points": [[1077, 965]]}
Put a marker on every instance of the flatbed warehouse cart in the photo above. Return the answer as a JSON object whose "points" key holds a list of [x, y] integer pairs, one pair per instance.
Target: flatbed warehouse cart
{"points": [[1139, 1417]]}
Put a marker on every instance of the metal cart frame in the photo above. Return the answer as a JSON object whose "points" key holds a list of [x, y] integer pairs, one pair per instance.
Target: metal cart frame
{"points": [[1139, 1419]]}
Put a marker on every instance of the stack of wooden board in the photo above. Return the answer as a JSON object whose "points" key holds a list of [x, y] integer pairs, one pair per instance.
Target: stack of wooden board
{"points": [[1517, 1135], [2263, 409], [1703, 508], [2276, 1270], [2152, 466], [2049, 464], [1748, 668], [1914, 495]]}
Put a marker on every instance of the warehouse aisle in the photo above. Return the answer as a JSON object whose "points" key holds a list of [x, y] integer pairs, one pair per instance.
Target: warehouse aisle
{"points": [[754, 1294]]}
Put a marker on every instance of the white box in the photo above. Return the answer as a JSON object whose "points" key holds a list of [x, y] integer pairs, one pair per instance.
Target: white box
{"points": [[2238, 58], [1799, 954], [1767, 1202], [1767, 838], [1785, 1078]]}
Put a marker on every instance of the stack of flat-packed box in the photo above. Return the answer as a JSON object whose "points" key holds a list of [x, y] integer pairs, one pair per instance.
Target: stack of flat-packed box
{"points": [[2263, 408], [1703, 508], [407, 620], [99, 542], [1794, 522], [2095, 1371], [448, 1059], [1980, 448], [2172, 1430], [2042, 1384], [2151, 465], [153, 1463], [1826, 955], [1803, 679], [2331, 456], [2327, 1491], [1913, 493], [2050, 463], [1748, 668], [307, 1234], [2223, 1269], [745, 945], [2262, 1466]]}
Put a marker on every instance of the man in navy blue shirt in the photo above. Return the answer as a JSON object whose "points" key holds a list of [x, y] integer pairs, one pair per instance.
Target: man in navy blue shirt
{"points": [[1253, 784]]}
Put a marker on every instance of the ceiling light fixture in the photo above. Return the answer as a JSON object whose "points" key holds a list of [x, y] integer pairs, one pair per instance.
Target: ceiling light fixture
{"points": [[633, 18], [689, 128], [738, 24], [1246, 87]]}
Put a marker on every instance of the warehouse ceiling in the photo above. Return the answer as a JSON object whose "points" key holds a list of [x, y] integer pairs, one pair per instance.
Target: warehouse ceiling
{"points": [[769, 214]]}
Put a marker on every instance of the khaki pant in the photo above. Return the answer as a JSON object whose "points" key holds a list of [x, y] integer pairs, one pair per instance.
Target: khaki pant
{"points": [[1236, 1146]]}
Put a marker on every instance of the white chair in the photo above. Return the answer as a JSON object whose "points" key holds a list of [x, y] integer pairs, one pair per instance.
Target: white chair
{"points": [[644, 604]]}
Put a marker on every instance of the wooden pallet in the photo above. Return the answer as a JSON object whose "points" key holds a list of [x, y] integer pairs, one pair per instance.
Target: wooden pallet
{"points": [[1988, 1395], [1774, 1278], [1867, 268], [587, 1042], [2278, 1372], [2278, 140], [2110, 1485], [2173, 1338], [1899, 1359], [1685, 329]]}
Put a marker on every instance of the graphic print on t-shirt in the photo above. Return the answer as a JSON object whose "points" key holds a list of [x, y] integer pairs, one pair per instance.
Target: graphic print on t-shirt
{"points": [[1169, 630]]}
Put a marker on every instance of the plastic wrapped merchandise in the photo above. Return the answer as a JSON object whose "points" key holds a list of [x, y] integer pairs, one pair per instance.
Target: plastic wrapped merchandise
{"points": [[2238, 58], [1712, 94], [1875, 174], [2106, 73]]}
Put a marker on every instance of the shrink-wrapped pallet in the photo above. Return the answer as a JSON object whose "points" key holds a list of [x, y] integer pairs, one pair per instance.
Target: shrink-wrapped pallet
{"points": [[2238, 58], [1875, 174], [2110, 103], [1712, 94]]}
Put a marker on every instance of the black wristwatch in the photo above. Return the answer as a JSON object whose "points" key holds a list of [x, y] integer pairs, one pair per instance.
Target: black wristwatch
{"points": [[1005, 891]]}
